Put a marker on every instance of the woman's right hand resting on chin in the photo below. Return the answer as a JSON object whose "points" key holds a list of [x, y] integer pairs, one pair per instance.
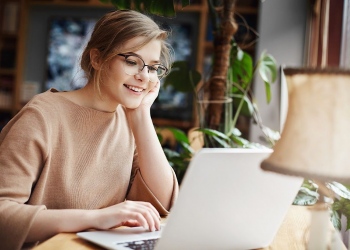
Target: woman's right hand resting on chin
{"points": [[49, 222]]}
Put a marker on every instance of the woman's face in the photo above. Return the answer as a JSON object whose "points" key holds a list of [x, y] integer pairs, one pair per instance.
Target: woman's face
{"points": [[118, 87]]}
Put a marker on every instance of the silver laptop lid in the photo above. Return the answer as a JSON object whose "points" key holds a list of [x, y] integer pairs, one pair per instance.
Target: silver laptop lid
{"points": [[227, 201]]}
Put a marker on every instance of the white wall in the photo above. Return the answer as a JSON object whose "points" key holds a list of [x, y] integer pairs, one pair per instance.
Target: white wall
{"points": [[281, 28]]}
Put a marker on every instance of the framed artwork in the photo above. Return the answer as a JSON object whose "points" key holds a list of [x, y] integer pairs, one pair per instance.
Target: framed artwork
{"points": [[66, 41]]}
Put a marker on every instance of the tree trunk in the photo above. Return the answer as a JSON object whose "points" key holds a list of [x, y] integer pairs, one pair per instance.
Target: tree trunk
{"points": [[223, 35]]}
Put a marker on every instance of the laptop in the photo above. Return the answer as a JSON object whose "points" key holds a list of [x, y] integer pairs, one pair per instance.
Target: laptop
{"points": [[226, 201]]}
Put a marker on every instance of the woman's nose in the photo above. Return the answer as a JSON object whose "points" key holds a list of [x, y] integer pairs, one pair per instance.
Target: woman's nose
{"points": [[144, 74]]}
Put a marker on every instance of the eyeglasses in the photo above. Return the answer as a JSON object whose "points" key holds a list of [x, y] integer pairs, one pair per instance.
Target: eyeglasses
{"points": [[133, 64]]}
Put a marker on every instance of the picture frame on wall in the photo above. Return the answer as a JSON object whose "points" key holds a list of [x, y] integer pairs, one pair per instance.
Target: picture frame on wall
{"points": [[67, 37]]}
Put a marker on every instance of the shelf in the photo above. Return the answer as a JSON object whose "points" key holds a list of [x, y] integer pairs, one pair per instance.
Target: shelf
{"points": [[189, 8], [246, 10], [173, 123], [7, 72], [74, 3], [97, 3], [8, 35], [5, 109]]}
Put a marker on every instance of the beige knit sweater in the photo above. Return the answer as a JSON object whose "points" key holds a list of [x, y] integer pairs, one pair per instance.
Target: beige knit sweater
{"points": [[55, 154]]}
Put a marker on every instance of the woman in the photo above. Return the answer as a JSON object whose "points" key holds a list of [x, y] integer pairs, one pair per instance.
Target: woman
{"points": [[90, 158]]}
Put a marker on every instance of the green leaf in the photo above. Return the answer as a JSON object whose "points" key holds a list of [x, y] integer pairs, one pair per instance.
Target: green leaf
{"points": [[337, 205], [303, 199], [306, 196], [138, 4], [181, 78], [239, 141], [309, 184], [162, 8], [244, 143], [185, 3], [247, 108], [309, 192], [156, 7], [339, 189], [267, 68], [220, 138], [179, 135], [121, 4], [241, 69], [170, 153], [347, 223], [160, 137], [335, 218], [268, 91], [183, 140], [213, 132], [272, 134], [222, 142], [236, 132]]}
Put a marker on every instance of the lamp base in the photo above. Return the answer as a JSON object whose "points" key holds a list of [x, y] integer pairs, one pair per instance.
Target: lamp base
{"points": [[322, 235], [319, 228]]}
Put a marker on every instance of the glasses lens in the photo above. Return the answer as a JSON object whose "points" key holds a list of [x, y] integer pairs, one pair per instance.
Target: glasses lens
{"points": [[132, 65], [156, 71], [161, 71]]}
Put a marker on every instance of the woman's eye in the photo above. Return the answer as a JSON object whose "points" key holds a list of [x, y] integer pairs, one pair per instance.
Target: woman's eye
{"points": [[152, 69], [130, 62]]}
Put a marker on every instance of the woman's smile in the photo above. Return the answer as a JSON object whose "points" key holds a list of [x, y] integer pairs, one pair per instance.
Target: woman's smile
{"points": [[133, 88]]}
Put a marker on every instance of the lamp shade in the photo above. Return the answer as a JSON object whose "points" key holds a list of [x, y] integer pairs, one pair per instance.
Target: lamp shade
{"points": [[315, 141]]}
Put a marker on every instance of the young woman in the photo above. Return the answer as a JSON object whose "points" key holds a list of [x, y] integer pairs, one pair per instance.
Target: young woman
{"points": [[90, 158]]}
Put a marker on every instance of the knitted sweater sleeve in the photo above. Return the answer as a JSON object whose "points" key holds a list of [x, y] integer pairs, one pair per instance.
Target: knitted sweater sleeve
{"points": [[139, 190], [22, 152]]}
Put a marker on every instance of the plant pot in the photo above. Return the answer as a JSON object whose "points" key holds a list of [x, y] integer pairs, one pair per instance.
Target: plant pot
{"points": [[202, 106]]}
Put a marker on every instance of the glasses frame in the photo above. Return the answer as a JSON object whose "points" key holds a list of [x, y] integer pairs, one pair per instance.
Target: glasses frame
{"points": [[144, 64]]}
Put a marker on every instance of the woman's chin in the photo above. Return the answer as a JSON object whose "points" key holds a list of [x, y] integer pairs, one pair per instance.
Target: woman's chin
{"points": [[132, 105]]}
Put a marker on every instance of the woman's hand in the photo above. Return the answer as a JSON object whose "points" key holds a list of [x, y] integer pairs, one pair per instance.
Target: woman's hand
{"points": [[127, 213], [146, 103], [151, 96]]}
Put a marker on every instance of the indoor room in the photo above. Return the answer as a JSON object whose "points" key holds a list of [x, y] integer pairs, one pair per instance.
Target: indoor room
{"points": [[263, 80]]}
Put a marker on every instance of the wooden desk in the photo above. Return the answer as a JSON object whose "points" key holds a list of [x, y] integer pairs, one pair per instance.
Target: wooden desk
{"points": [[291, 235]]}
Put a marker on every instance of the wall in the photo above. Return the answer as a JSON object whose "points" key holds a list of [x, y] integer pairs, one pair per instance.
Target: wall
{"points": [[281, 28]]}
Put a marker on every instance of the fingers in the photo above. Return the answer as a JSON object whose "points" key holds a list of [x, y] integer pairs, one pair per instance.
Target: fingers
{"points": [[131, 223], [144, 213], [128, 213], [155, 87]]}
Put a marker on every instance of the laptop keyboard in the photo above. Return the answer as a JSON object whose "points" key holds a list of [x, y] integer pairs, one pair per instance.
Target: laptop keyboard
{"points": [[140, 244]]}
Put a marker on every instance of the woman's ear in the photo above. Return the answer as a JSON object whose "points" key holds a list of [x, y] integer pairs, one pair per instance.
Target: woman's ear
{"points": [[95, 58]]}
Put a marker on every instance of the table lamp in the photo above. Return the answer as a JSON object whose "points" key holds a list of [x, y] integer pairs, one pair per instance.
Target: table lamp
{"points": [[315, 140]]}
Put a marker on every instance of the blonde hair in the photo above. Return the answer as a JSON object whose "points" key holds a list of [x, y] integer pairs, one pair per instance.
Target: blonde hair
{"points": [[112, 31]]}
